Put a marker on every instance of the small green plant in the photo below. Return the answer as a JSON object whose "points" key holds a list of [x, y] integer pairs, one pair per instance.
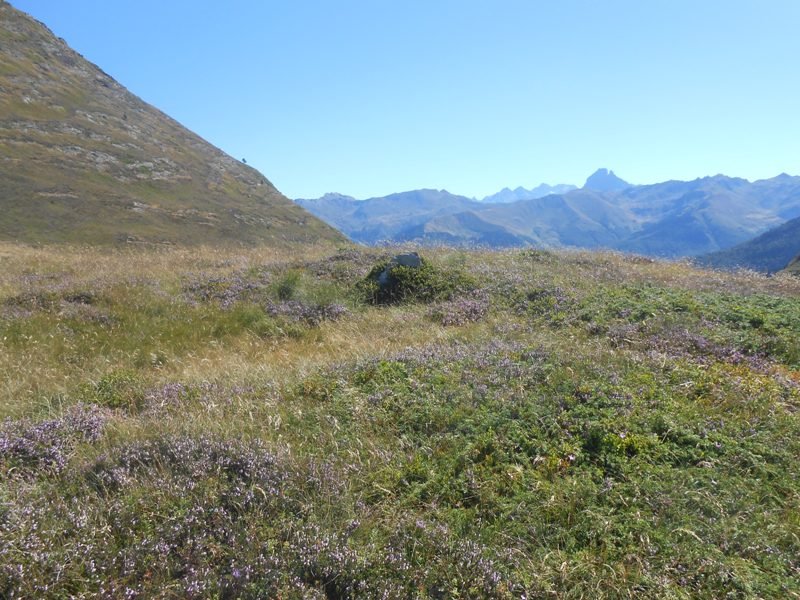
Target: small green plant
{"points": [[286, 287], [118, 389]]}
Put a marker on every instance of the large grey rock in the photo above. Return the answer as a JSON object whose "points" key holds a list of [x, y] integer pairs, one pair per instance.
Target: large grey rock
{"points": [[411, 259]]}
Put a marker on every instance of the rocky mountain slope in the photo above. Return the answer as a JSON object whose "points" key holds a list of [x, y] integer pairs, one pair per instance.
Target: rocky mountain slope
{"points": [[84, 160]]}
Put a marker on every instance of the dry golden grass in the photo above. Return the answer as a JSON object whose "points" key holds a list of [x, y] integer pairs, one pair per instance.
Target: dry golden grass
{"points": [[51, 357], [49, 361]]}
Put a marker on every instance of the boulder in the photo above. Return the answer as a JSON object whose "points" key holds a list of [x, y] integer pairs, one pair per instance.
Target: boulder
{"points": [[411, 259]]}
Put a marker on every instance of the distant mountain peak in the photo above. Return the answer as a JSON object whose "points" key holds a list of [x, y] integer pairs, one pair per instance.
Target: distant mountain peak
{"points": [[520, 193], [604, 180], [335, 196]]}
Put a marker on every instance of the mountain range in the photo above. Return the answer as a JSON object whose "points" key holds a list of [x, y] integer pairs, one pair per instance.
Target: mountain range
{"points": [[84, 160], [520, 193], [669, 219]]}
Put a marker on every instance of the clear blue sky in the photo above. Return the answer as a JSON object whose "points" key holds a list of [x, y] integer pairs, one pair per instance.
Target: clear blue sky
{"points": [[369, 97]]}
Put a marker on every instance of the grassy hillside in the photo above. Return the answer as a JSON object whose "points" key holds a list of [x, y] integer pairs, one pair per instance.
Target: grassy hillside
{"points": [[247, 424], [769, 252], [84, 160]]}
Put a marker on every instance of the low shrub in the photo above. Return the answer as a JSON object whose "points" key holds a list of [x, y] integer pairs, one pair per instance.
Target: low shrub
{"points": [[465, 309], [426, 283], [30, 447], [117, 389]]}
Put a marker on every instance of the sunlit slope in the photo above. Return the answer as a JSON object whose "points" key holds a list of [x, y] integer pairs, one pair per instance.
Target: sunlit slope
{"points": [[84, 160]]}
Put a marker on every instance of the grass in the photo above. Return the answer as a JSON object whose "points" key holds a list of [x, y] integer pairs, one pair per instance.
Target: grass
{"points": [[243, 423]]}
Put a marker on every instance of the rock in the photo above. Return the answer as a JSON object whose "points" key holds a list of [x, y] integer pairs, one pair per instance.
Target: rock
{"points": [[410, 259]]}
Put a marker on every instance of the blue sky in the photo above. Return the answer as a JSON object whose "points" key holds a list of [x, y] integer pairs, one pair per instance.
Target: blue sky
{"points": [[369, 97]]}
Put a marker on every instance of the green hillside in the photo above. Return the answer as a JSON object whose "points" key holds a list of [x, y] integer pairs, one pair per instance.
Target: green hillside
{"points": [[769, 252], [84, 160], [206, 423]]}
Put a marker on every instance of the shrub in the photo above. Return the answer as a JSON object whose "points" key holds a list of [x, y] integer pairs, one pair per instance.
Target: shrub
{"points": [[310, 314], [29, 447], [286, 287], [117, 389], [426, 283]]}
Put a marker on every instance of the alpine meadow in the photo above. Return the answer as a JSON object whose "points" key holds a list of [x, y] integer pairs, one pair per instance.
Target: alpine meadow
{"points": [[209, 392]]}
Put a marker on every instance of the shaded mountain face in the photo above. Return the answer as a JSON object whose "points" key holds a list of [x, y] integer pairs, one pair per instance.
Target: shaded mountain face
{"points": [[429, 216], [769, 252], [388, 218], [794, 266], [669, 219], [84, 160], [580, 218], [604, 180]]}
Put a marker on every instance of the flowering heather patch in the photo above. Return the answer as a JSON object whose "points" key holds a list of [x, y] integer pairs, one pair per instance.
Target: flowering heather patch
{"points": [[175, 394], [199, 495], [226, 290], [86, 313], [56, 297], [675, 321], [469, 308], [193, 458], [683, 343], [346, 265], [510, 359], [550, 303], [30, 447], [217, 517], [305, 312]]}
